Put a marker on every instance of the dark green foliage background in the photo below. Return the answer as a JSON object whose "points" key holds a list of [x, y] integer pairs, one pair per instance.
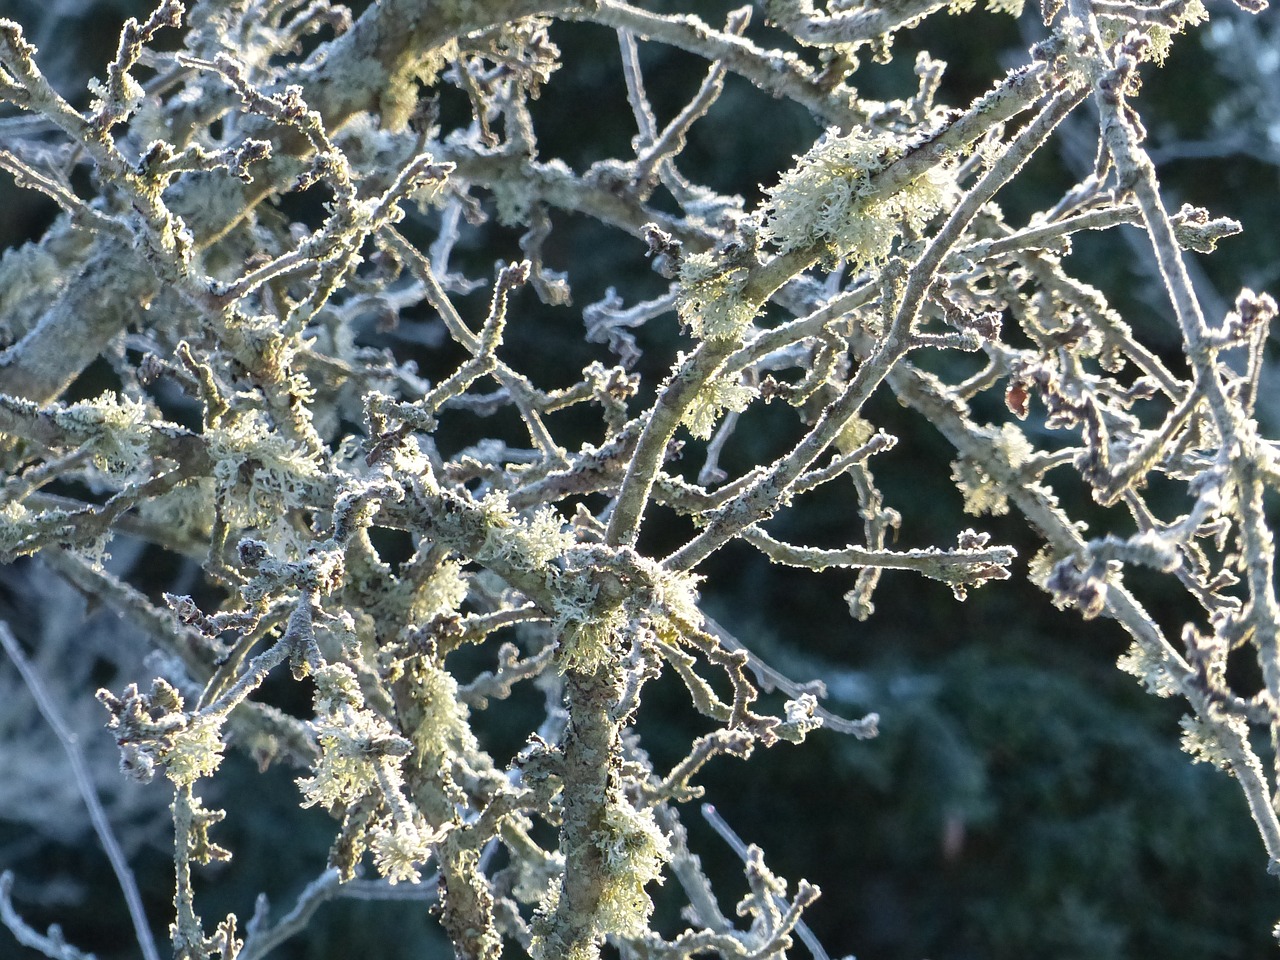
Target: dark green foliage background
{"points": [[1024, 799]]}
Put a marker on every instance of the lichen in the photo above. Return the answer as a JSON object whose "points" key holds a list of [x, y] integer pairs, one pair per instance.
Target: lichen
{"points": [[826, 200], [153, 729], [1162, 36], [258, 474], [1139, 662], [347, 733], [526, 543], [676, 598], [710, 300], [443, 728], [716, 397], [1204, 743], [854, 434], [17, 525], [442, 592], [635, 851], [982, 494], [398, 96], [590, 641], [113, 428], [195, 751], [398, 846]]}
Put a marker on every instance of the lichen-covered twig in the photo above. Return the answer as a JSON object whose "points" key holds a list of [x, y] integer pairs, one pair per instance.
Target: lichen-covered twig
{"points": [[378, 476]]}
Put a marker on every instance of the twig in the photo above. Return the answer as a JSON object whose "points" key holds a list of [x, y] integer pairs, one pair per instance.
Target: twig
{"points": [[88, 793]]}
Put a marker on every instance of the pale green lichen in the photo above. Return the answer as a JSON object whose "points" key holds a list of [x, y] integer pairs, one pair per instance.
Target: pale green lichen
{"points": [[155, 729], [1042, 563], [713, 400], [1115, 29], [1203, 742], [676, 598], [194, 752], [366, 145], [515, 197], [208, 197], [398, 96], [539, 947], [399, 845], [1012, 7], [854, 434], [591, 630], [826, 200], [589, 641], [341, 776], [346, 732], [407, 459], [543, 537], [131, 94], [710, 300], [1139, 662], [1162, 37], [113, 428], [17, 526], [442, 592], [634, 851], [982, 494], [527, 543], [258, 473], [337, 689], [443, 728]]}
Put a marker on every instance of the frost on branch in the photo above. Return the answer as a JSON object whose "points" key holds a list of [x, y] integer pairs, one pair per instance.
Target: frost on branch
{"points": [[316, 269]]}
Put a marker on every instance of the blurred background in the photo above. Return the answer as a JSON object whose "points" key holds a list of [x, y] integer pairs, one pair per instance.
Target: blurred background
{"points": [[1024, 797]]}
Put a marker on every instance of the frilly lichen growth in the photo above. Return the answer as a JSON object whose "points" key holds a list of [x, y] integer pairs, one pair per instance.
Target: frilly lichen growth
{"points": [[1160, 35], [712, 402], [589, 640], [439, 593], [1204, 744], [258, 473], [635, 851], [154, 729], [1012, 7], [347, 733], [591, 629], [982, 494], [528, 543], [196, 751], [710, 300], [826, 200], [361, 756], [399, 95], [443, 728], [1139, 662], [675, 597], [114, 428], [399, 846]]}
